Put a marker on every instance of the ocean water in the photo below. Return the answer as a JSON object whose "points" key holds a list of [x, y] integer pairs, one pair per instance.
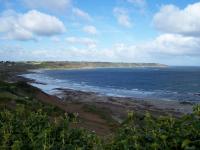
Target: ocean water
{"points": [[171, 83]]}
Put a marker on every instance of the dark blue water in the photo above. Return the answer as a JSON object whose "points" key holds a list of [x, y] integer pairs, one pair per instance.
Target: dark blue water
{"points": [[172, 83]]}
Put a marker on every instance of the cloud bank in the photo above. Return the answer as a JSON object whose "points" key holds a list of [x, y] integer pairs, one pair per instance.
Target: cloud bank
{"points": [[29, 25], [172, 19], [176, 35]]}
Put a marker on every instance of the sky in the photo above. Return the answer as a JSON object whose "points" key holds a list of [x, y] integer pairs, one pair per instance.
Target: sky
{"points": [[158, 31]]}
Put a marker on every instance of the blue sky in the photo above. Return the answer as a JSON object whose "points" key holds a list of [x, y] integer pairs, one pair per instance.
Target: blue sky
{"points": [[108, 30]]}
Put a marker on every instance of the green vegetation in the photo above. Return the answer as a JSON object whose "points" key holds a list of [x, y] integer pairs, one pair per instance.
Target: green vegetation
{"points": [[27, 123], [102, 113], [163, 133], [24, 129]]}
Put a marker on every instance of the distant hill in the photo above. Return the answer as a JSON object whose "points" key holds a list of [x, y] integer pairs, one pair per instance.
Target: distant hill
{"points": [[70, 64], [8, 69]]}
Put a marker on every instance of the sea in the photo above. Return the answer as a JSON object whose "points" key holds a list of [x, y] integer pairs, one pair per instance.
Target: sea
{"points": [[167, 83]]}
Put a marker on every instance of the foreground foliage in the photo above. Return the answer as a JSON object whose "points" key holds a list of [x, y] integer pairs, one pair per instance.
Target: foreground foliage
{"points": [[20, 130], [26, 123], [159, 133]]}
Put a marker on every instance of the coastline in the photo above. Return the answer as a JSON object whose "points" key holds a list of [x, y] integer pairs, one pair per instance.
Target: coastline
{"points": [[99, 113], [92, 68], [119, 106], [103, 114], [157, 107]]}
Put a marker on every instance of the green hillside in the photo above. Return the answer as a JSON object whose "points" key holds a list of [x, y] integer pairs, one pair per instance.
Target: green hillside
{"points": [[28, 123]]}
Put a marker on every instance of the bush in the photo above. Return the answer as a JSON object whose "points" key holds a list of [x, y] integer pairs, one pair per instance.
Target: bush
{"points": [[159, 133], [20, 129], [23, 129], [30, 124]]}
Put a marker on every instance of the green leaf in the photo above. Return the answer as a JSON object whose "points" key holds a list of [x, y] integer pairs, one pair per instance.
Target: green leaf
{"points": [[185, 143]]}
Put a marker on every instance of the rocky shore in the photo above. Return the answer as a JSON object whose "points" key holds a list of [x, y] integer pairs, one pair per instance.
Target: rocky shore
{"points": [[119, 106]]}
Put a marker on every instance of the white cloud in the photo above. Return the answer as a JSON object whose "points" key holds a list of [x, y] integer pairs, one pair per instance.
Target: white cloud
{"points": [[48, 4], [19, 34], [180, 39], [90, 30], [26, 26], [81, 14], [90, 43], [122, 17], [162, 49], [41, 24], [185, 50], [172, 19], [174, 44]]}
